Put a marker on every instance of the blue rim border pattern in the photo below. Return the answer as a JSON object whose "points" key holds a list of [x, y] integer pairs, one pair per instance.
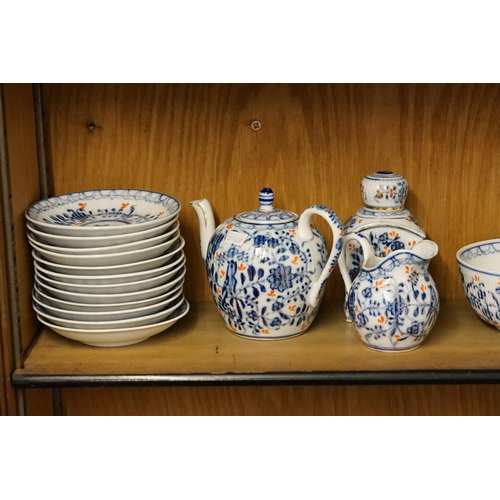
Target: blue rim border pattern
{"points": [[473, 250], [161, 199]]}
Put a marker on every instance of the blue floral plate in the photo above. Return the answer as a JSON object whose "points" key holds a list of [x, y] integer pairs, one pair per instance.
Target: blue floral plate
{"points": [[103, 212]]}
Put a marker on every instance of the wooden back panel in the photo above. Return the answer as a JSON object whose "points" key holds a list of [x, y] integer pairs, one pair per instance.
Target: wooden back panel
{"points": [[316, 144]]}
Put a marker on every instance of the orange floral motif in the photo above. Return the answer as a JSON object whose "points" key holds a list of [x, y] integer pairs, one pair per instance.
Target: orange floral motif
{"points": [[219, 290], [423, 288], [265, 332], [159, 214], [356, 308], [229, 226], [379, 283], [272, 293], [382, 319], [292, 308], [217, 255], [394, 234], [124, 205], [295, 260], [234, 329], [222, 273], [397, 336], [82, 205], [476, 277], [409, 269], [292, 231], [242, 267], [304, 326], [351, 246], [411, 243]]}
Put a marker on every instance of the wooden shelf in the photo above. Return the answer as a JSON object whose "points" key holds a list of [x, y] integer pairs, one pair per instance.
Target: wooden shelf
{"points": [[199, 350]]}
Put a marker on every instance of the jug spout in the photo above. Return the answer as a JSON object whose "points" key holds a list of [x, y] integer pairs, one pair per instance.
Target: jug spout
{"points": [[207, 223], [425, 249]]}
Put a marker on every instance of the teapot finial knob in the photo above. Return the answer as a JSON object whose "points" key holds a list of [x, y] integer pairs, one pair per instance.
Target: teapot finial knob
{"points": [[266, 198]]}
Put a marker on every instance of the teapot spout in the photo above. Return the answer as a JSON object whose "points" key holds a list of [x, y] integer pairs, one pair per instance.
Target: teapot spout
{"points": [[207, 222]]}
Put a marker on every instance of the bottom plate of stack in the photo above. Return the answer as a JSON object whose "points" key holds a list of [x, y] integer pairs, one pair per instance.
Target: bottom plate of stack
{"points": [[121, 336]]}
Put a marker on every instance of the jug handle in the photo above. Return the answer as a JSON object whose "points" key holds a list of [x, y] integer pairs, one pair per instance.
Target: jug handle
{"points": [[305, 234], [368, 253]]}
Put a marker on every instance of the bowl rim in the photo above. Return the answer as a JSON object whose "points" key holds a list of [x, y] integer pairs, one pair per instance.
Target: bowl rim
{"points": [[181, 245], [176, 299], [167, 294], [99, 237], [99, 229], [97, 256], [477, 268], [86, 277], [102, 286], [166, 322], [97, 250], [97, 296], [70, 312]]}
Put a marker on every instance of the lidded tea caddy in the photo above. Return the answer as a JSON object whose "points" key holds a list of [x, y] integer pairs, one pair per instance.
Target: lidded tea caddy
{"points": [[383, 221], [267, 268]]}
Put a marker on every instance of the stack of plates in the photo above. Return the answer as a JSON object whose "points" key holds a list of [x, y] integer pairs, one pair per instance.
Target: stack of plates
{"points": [[109, 265]]}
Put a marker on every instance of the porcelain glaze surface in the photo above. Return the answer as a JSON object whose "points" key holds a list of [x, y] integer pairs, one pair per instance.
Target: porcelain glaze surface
{"points": [[119, 337], [267, 279], [107, 211], [394, 303], [479, 267], [388, 226]]}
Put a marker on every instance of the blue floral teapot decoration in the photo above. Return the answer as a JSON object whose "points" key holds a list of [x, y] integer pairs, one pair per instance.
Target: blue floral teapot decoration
{"points": [[393, 301], [267, 268]]}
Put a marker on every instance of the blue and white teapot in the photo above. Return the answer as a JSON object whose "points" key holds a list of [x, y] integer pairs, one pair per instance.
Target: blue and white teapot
{"points": [[267, 268]]}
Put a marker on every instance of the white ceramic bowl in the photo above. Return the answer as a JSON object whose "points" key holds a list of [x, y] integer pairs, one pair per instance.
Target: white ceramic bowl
{"points": [[98, 241], [113, 279], [112, 259], [135, 286], [119, 337], [53, 301], [113, 315], [479, 267], [111, 298], [102, 212], [133, 267], [35, 241], [113, 324]]}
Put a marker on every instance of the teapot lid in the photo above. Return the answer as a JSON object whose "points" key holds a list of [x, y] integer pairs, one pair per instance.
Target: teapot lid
{"points": [[267, 214]]}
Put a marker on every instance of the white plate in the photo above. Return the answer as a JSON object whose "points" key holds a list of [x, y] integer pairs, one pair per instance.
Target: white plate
{"points": [[83, 307], [113, 315], [111, 298], [113, 248], [123, 337], [112, 279], [134, 267], [115, 324], [99, 241], [102, 212], [114, 259], [134, 286]]}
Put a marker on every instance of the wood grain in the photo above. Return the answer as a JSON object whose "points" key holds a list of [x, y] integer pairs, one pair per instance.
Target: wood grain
{"points": [[316, 143], [287, 400], [200, 343], [25, 190]]}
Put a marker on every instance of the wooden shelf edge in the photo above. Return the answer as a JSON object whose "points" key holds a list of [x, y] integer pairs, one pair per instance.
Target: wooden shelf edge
{"points": [[22, 380], [199, 351]]}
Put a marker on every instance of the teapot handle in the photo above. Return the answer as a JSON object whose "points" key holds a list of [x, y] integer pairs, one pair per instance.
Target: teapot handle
{"points": [[305, 233]]}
